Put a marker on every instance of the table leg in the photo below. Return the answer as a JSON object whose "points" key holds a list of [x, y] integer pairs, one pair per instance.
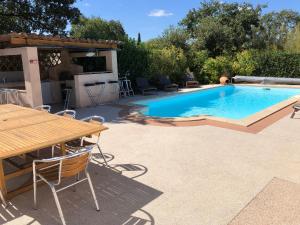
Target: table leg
{"points": [[2, 180], [63, 148]]}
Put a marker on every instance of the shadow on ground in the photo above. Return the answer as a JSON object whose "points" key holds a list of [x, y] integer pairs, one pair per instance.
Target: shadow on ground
{"points": [[121, 201]]}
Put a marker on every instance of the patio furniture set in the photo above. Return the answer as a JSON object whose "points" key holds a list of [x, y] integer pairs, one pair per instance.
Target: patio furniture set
{"points": [[25, 132]]}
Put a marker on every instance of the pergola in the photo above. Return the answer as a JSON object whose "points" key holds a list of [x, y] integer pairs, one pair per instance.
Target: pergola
{"points": [[43, 58]]}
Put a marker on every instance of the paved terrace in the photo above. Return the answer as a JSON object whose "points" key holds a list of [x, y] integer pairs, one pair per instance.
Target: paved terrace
{"points": [[180, 176]]}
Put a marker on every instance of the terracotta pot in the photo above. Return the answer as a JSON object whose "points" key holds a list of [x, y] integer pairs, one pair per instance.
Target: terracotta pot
{"points": [[224, 80]]}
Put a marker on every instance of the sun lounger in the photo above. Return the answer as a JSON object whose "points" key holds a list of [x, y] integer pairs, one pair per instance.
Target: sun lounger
{"points": [[166, 84], [144, 86], [190, 81]]}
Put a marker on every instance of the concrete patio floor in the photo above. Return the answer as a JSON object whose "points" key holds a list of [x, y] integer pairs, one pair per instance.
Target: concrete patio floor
{"points": [[199, 175]]}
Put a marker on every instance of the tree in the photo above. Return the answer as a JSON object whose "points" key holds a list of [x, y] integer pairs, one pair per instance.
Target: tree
{"points": [[216, 67], [172, 36], [169, 61], [41, 16], [293, 40], [139, 40], [244, 63], [222, 27], [276, 27], [133, 58], [196, 60], [97, 28]]}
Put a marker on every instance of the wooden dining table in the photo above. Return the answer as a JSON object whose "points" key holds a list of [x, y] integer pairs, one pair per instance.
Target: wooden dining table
{"points": [[25, 130]]}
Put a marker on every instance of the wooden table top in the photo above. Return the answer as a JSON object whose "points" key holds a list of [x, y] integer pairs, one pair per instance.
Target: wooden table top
{"points": [[25, 130]]}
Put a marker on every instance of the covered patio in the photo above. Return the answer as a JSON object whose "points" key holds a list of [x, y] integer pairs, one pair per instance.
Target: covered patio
{"points": [[49, 70]]}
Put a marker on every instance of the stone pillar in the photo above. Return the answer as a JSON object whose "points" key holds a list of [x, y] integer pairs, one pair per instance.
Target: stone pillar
{"points": [[31, 71], [111, 61], [114, 62], [32, 78]]}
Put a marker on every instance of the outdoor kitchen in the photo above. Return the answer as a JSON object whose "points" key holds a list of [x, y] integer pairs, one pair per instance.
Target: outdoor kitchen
{"points": [[53, 70]]}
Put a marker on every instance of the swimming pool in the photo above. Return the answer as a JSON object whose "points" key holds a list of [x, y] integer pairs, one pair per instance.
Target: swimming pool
{"points": [[231, 102]]}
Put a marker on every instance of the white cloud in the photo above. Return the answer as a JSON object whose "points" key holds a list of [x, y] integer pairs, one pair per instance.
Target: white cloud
{"points": [[160, 13], [86, 4]]}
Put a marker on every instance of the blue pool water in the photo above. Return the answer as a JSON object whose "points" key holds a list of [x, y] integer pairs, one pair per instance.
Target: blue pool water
{"points": [[233, 102]]}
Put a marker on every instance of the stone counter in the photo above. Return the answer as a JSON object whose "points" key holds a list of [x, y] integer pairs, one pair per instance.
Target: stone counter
{"points": [[103, 93]]}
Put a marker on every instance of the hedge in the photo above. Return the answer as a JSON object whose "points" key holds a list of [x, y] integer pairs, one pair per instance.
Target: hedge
{"points": [[276, 64]]}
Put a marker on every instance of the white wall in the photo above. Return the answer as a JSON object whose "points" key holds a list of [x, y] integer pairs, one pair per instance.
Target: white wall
{"points": [[109, 93]]}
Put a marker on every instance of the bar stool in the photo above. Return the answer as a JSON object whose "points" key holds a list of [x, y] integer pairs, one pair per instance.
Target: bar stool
{"points": [[89, 89], [68, 92], [99, 91], [114, 87], [95, 91]]}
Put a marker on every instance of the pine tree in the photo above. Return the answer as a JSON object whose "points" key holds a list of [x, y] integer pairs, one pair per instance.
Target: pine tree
{"points": [[139, 40]]}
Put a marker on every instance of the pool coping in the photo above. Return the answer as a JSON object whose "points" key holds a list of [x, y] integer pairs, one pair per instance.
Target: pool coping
{"points": [[134, 114]]}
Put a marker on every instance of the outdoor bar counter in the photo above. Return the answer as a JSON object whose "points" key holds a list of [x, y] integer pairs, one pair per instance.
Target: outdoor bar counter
{"points": [[94, 88]]}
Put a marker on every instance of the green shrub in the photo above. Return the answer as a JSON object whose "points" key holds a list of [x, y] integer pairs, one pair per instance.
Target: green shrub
{"points": [[215, 67], [169, 61], [133, 58], [196, 60], [244, 63], [276, 64]]}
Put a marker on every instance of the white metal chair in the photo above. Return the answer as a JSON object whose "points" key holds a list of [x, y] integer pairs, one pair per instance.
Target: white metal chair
{"points": [[296, 108], [87, 141], [46, 108], [67, 113], [53, 170], [68, 92]]}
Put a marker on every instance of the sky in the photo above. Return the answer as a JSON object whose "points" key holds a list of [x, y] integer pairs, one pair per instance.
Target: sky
{"points": [[152, 17]]}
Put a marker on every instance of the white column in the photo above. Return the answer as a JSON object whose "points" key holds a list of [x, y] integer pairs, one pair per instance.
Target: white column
{"points": [[111, 61], [114, 62], [32, 78], [31, 71]]}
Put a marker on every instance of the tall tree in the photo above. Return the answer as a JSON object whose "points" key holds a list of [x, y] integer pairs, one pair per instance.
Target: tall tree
{"points": [[97, 28], [172, 36], [40, 16], [293, 40], [222, 27], [139, 40], [276, 26]]}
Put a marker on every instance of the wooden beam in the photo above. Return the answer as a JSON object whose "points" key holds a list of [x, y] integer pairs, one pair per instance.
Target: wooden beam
{"points": [[61, 43]]}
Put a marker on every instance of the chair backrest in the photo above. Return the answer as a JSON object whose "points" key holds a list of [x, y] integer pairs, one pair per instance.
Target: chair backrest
{"points": [[67, 113], [96, 120], [142, 82], [68, 166], [189, 77], [46, 108], [73, 165], [164, 80], [93, 118]]}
